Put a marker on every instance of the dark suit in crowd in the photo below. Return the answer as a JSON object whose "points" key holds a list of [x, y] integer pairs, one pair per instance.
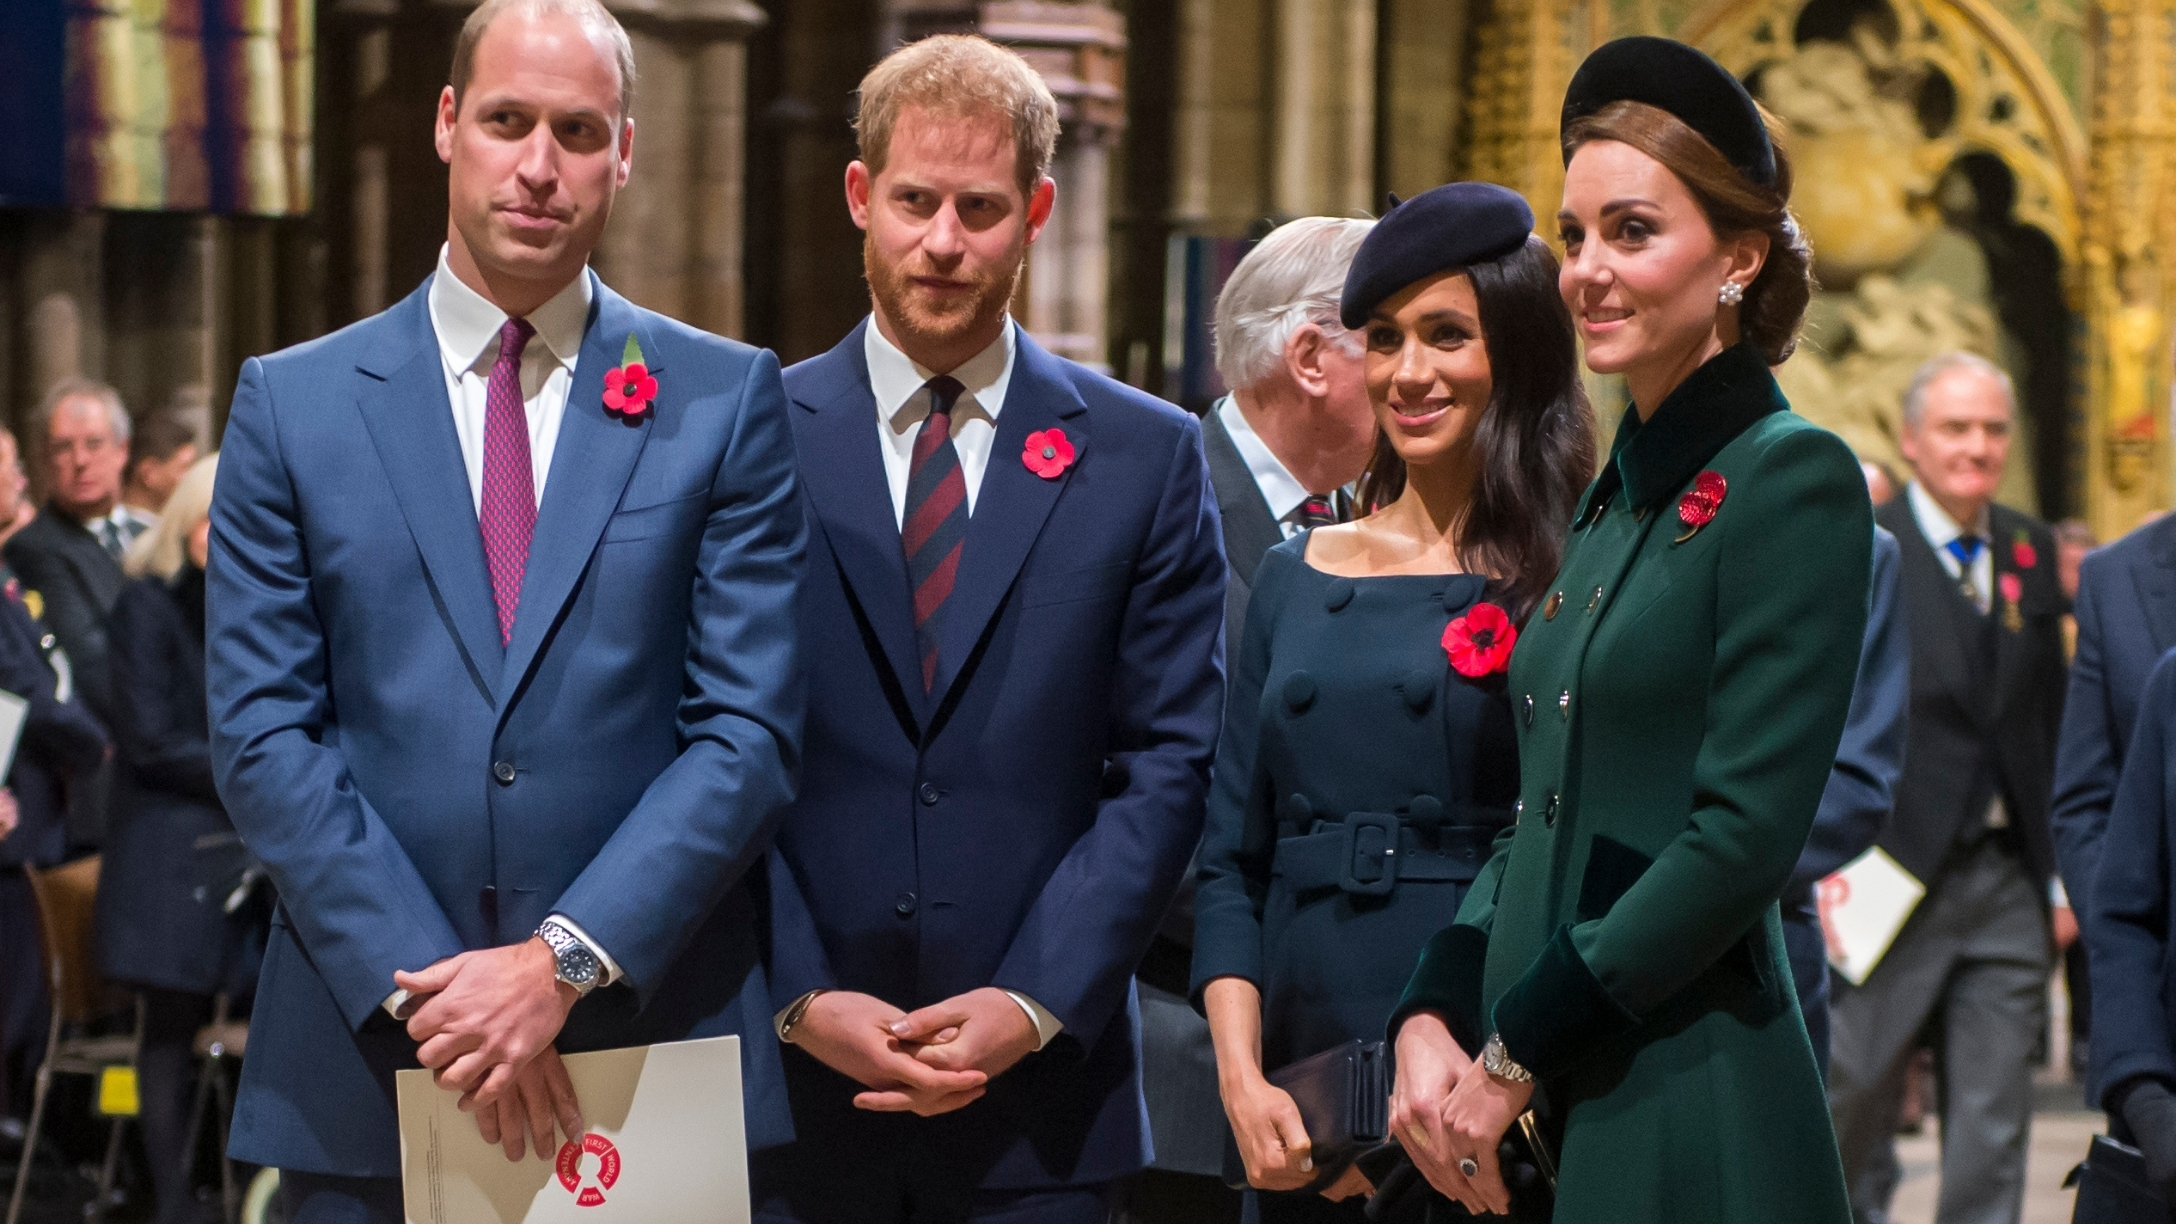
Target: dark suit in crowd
{"points": [[1020, 817], [172, 863], [76, 581], [1861, 787], [2126, 611], [1986, 700], [2127, 937], [62, 744]]}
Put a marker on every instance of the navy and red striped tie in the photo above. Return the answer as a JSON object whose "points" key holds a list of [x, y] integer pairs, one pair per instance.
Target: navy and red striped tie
{"points": [[935, 527]]}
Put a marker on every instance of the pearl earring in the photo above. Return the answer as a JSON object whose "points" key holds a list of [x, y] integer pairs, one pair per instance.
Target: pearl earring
{"points": [[1732, 294]]}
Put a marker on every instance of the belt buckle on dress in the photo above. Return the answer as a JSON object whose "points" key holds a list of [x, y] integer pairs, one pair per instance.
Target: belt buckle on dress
{"points": [[1368, 866]]}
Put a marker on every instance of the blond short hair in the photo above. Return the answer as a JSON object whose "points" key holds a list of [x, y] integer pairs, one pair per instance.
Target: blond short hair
{"points": [[958, 76], [593, 16], [161, 551]]}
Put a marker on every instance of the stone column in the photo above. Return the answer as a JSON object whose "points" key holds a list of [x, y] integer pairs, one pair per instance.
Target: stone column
{"points": [[674, 242], [1219, 169], [1323, 146], [1423, 80]]}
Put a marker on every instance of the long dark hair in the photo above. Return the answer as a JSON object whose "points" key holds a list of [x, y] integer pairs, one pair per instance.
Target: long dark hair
{"points": [[1536, 437]]}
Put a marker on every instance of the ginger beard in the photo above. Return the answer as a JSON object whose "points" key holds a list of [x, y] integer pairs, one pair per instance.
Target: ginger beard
{"points": [[923, 317]]}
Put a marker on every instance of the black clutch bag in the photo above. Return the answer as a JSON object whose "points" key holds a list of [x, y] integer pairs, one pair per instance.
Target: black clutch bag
{"points": [[1343, 1096], [2113, 1187]]}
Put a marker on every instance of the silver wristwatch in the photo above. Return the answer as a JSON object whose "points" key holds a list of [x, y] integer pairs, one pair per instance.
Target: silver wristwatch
{"points": [[1498, 1063], [576, 965]]}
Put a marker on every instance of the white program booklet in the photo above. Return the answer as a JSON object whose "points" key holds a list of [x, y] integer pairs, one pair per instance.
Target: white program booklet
{"points": [[14, 711], [666, 1145], [1863, 906]]}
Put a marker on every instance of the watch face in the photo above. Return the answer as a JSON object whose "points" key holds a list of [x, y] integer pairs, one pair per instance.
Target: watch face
{"points": [[578, 966]]}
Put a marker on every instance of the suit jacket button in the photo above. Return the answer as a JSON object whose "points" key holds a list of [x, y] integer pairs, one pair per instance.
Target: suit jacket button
{"points": [[904, 907], [504, 772], [928, 795]]}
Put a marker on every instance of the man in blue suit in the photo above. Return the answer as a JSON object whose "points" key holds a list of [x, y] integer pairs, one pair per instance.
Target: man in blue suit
{"points": [[1018, 583], [502, 658]]}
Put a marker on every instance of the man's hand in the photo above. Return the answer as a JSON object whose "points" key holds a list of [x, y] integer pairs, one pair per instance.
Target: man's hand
{"points": [[1430, 1064], [1480, 1110], [2149, 1109], [541, 1098], [989, 1030], [2065, 921], [489, 1013], [10, 815], [851, 1034]]}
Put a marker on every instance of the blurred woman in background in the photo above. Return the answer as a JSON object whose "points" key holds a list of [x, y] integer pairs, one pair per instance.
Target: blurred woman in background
{"points": [[176, 918]]}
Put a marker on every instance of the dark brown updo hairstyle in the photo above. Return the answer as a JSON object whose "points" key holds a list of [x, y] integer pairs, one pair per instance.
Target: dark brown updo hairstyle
{"points": [[1536, 437], [1775, 303]]}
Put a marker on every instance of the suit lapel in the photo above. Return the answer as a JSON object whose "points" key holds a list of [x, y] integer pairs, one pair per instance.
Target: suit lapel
{"points": [[1013, 502], [410, 422], [842, 471], [1250, 530], [591, 463]]}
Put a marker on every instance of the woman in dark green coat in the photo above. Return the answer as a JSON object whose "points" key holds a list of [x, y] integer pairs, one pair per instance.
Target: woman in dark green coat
{"points": [[1679, 699]]}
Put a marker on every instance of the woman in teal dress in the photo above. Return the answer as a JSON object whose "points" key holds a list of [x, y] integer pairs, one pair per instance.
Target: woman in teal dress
{"points": [[1679, 699], [1367, 761]]}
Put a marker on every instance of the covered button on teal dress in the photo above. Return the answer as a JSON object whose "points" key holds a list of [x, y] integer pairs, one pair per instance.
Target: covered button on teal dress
{"points": [[1359, 785]]}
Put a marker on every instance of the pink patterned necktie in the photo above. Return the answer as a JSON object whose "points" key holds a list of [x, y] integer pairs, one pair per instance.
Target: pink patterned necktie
{"points": [[508, 514]]}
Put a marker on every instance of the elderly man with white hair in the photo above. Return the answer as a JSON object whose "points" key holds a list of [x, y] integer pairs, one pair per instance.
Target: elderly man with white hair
{"points": [[1283, 449]]}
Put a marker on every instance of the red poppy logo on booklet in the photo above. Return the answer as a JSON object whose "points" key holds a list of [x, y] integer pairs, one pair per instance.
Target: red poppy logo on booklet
{"points": [[1696, 509], [1479, 643], [2023, 553], [1048, 453], [2013, 587], [629, 388], [588, 1191]]}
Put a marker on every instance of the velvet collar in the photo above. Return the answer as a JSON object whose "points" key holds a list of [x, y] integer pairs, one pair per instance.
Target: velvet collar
{"points": [[1651, 460]]}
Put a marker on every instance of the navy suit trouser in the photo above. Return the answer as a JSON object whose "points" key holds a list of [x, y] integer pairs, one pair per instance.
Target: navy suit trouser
{"points": [[1808, 950], [323, 1198]]}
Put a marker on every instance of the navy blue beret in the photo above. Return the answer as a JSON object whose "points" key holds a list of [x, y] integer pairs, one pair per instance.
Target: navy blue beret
{"points": [[1679, 79], [1456, 225]]}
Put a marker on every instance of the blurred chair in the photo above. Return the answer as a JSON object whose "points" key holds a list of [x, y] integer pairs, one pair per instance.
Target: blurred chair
{"points": [[65, 897], [222, 1041]]}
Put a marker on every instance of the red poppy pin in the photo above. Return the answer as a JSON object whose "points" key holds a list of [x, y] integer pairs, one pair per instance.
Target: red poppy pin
{"points": [[2013, 587], [630, 389], [1479, 643], [1048, 453], [1696, 509], [2022, 553]]}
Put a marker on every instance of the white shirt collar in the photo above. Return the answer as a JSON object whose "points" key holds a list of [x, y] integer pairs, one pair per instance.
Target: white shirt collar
{"points": [[1279, 488], [468, 324], [1935, 523], [894, 378]]}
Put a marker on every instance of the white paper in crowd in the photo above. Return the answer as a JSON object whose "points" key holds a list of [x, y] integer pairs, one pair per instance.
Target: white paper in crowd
{"points": [[666, 1145], [13, 711], [1863, 906]]}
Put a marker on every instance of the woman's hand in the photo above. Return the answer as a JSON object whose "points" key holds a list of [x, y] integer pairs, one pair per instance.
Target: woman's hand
{"points": [[1430, 1064], [1480, 1110], [1349, 1183], [1272, 1140]]}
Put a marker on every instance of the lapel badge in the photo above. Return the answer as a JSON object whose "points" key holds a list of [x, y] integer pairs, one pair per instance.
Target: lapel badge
{"points": [[630, 389], [2022, 553], [1048, 453], [2013, 590], [1696, 509]]}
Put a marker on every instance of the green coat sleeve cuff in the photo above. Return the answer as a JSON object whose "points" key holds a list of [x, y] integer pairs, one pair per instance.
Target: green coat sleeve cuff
{"points": [[1448, 980], [1559, 1012]]}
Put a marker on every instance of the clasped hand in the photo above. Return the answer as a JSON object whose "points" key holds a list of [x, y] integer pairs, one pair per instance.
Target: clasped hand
{"points": [[1445, 1109], [927, 1062], [485, 1023]]}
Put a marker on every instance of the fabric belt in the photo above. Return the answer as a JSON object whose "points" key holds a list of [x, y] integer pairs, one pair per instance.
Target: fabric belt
{"points": [[1369, 853]]}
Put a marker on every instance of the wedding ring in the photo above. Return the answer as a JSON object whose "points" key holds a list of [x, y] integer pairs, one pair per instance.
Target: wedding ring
{"points": [[1469, 1168]]}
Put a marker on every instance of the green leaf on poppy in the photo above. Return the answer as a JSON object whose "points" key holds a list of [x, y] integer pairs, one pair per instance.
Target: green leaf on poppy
{"points": [[632, 354]]}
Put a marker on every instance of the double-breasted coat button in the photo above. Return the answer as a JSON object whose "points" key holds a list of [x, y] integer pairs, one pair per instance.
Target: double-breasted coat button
{"points": [[1564, 704], [1529, 709], [1555, 603], [904, 906], [504, 772], [1548, 814], [1338, 595], [1595, 600], [1419, 687], [1299, 691], [1518, 809], [928, 794], [1425, 811]]}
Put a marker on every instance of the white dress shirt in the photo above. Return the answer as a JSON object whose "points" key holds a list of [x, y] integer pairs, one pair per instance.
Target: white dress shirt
{"points": [[1941, 530], [902, 404], [467, 325], [1279, 487]]}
